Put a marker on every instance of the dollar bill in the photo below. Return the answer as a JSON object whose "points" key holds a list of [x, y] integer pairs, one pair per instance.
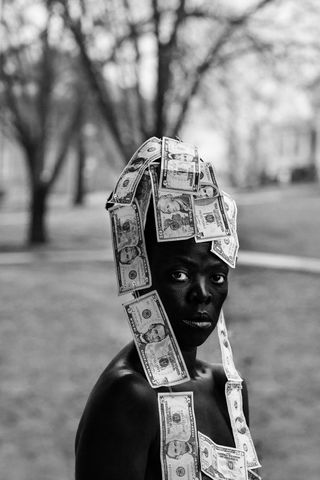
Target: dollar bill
{"points": [[133, 270], [179, 453], [126, 186], [226, 351], [241, 432], [157, 346], [227, 249], [173, 212], [219, 462], [253, 476], [208, 183], [180, 166], [211, 221], [143, 195], [231, 210]]}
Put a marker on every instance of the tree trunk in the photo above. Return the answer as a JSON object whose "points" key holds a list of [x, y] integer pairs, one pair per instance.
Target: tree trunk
{"points": [[80, 187], [314, 174], [37, 234]]}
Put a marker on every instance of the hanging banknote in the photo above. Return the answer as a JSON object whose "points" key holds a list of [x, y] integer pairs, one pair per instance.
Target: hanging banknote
{"points": [[126, 186], [133, 271], [241, 432], [179, 453], [157, 346], [208, 183], [231, 210], [180, 166], [173, 212], [226, 352], [219, 462], [211, 221], [143, 195], [227, 247]]}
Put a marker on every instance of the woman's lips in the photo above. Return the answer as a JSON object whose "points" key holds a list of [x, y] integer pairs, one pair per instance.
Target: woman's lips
{"points": [[199, 320]]}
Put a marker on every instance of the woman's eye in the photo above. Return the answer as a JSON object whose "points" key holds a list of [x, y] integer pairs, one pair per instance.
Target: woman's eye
{"points": [[179, 276], [218, 278]]}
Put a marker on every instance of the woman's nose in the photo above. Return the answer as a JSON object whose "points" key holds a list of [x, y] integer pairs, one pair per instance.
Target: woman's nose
{"points": [[199, 292]]}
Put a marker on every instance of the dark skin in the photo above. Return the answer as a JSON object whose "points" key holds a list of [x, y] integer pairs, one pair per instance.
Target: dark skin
{"points": [[118, 436]]}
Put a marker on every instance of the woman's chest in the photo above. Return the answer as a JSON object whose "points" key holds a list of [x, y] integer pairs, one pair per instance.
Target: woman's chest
{"points": [[212, 418]]}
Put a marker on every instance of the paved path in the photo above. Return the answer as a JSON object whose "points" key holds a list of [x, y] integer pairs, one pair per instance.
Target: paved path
{"points": [[252, 259]]}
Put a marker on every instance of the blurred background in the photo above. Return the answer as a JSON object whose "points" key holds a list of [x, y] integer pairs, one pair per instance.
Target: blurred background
{"points": [[82, 84]]}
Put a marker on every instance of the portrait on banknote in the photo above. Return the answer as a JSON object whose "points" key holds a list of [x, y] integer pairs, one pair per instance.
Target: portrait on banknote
{"points": [[173, 213], [155, 341], [220, 462], [133, 271], [179, 442]]}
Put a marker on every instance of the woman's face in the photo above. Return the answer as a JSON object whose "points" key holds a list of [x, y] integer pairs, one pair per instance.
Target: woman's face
{"points": [[192, 284]]}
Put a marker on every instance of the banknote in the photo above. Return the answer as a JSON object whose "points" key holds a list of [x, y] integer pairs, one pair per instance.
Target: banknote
{"points": [[241, 432], [219, 462], [231, 210], [133, 270], [157, 346], [226, 248], [143, 195], [179, 452], [211, 221], [226, 351], [173, 212], [180, 166], [253, 476], [208, 187], [126, 186]]}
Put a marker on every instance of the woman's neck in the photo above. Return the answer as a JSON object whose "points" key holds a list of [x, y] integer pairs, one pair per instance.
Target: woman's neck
{"points": [[189, 356]]}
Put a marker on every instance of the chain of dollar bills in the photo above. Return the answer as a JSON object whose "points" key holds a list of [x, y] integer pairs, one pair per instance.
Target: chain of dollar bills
{"points": [[187, 202]]}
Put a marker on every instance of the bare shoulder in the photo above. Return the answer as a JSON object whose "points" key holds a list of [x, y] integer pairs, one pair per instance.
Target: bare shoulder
{"points": [[219, 380], [121, 410], [120, 391]]}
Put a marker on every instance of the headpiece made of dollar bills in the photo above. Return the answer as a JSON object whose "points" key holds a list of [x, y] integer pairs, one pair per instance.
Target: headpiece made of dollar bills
{"points": [[187, 201]]}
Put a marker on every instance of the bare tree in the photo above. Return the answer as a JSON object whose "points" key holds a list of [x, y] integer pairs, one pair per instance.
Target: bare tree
{"points": [[40, 110], [146, 62]]}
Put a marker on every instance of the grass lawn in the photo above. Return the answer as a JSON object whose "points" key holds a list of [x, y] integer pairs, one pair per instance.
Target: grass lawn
{"points": [[282, 221], [61, 324], [271, 220]]}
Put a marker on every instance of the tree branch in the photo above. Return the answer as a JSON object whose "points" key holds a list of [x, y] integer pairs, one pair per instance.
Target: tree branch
{"points": [[140, 102], [104, 100], [65, 141], [232, 25]]}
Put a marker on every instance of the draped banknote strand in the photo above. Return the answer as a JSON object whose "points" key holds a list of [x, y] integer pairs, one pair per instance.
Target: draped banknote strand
{"points": [[187, 202]]}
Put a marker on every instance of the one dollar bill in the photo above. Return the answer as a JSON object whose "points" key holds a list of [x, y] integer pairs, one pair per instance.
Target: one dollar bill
{"points": [[211, 220], [180, 166], [226, 351], [179, 451], [173, 212], [227, 247], [133, 270], [220, 462], [129, 179], [157, 346], [240, 429]]}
